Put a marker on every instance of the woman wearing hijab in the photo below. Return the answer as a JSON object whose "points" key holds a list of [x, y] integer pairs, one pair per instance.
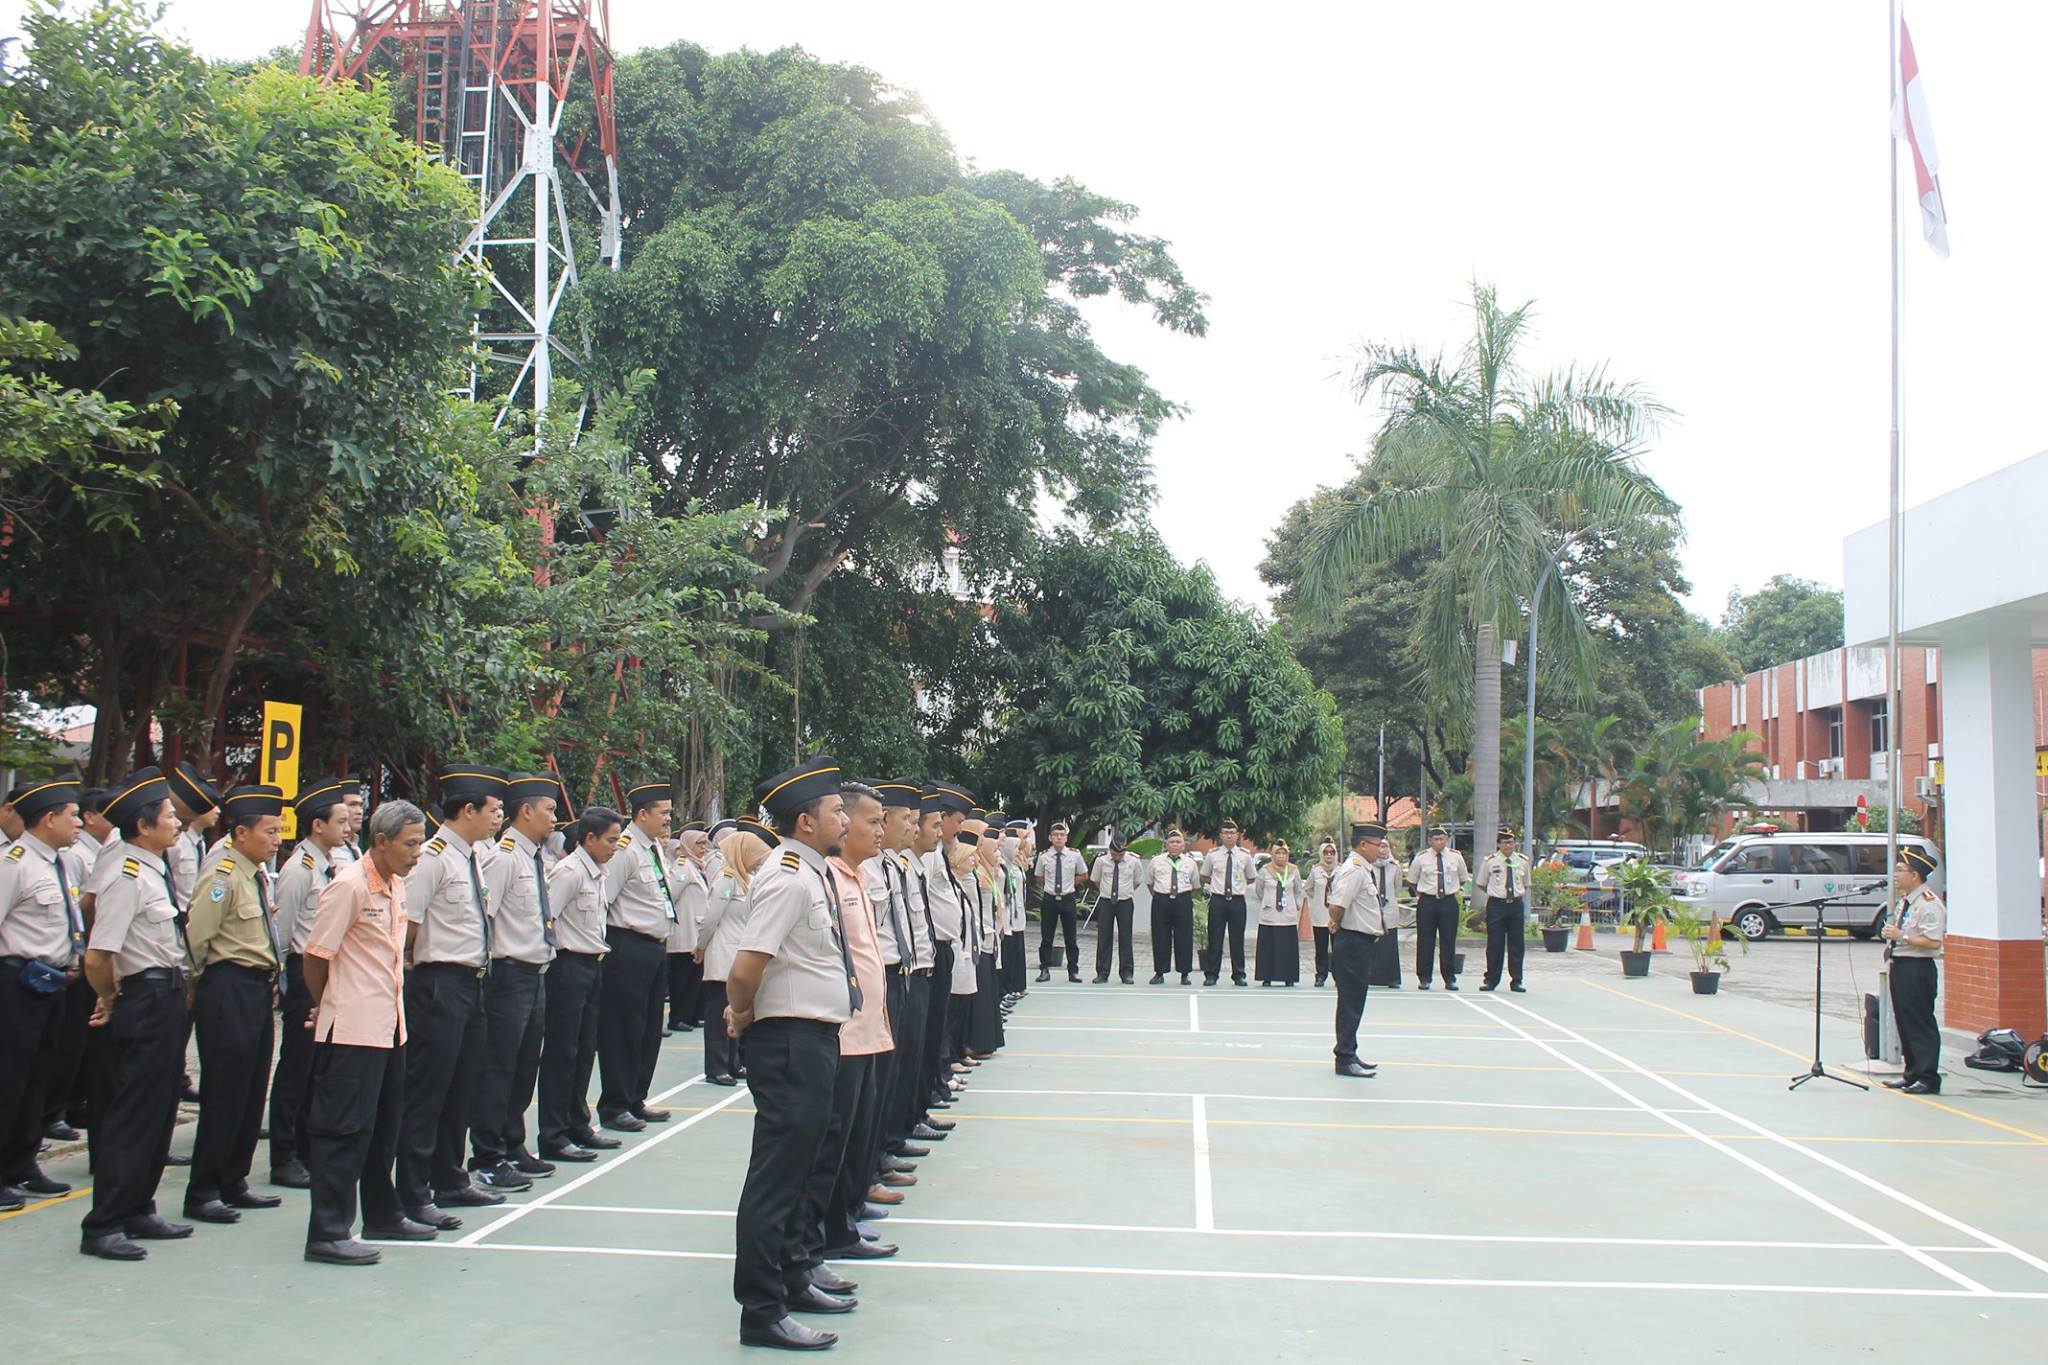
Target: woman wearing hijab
{"points": [[985, 1033], [1320, 879], [725, 919], [1277, 893]]}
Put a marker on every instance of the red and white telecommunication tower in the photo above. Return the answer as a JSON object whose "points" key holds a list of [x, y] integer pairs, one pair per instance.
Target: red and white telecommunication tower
{"points": [[490, 80]]}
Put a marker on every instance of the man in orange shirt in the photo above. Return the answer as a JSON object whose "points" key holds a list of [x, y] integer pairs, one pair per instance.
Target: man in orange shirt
{"points": [[355, 968]]}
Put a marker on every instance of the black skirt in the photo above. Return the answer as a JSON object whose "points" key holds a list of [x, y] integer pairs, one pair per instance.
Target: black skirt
{"points": [[1279, 953], [985, 1021]]}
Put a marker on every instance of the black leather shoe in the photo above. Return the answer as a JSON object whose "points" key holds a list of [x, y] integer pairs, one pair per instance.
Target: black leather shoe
{"points": [[1450, 985], [1355, 1069], [1322, 978], [929, 1132], [1184, 978], [646, 1115], [1104, 981], [60, 1131], [11, 1199], [911, 1149], [812, 1299], [404, 1230], [1484, 989], [526, 1163], [211, 1211], [1900, 1084], [155, 1228], [831, 1281], [1519, 989], [502, 1175], [572, 1152], [869, 1213], [787, 1335], [1422, 985], [675, 1027], [722, 1079], [1074, 977], [625, 1123], [190, 1094], [1919, 1088], [1129, 981], [433, 1217], [1158, 979], [246, 1198], [942, 1125], [897, 1165], [112, 1246], [350, 1252], [292, 1177], [1044, 975], [1206, 981], [468, 1197], [173, 1159], [862, 1251], [596, 1141], [42, 1187]]}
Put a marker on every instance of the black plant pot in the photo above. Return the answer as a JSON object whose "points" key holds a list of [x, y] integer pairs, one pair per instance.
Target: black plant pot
{"points": [[1634, 963], [1706, 983], [1457, 964], [1556, 940]]}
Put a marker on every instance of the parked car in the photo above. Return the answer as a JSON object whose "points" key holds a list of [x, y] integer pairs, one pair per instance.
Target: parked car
{"points": [[1590, 859], [1754, 882]]}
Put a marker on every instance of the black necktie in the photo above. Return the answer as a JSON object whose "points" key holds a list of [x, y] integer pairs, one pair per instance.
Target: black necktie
{"points": [[909, 948], [178, 915], [74, 922], [1509, 861], [904, 948], [1173, 876], [1059, 863], [547, 916], [1116, 877], [1283, 890], [1440, 872], [845, 957], [269, 923], [924, 891], [1229, 866], [476, 888]]}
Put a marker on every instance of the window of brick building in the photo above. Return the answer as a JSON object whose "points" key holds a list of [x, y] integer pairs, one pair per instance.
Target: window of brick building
{"points": [[1880, 726], [1834, 732]]}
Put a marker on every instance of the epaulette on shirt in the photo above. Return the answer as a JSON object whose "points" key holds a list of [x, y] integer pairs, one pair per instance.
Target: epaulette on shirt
{"points": [[507, 844], [130, 868], [14, 854], [625, 841], [792, 859], [306, 860], [436, 844]]}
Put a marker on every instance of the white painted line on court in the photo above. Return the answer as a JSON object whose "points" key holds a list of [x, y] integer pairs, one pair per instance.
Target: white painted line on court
{"points": [[1194, 1014], [1324, 1234], [1182, 1273], [1869, 1182], [476, 1236], [1205, 1192], [1777, 1178], [1332, 1099], [1321, 1034]]}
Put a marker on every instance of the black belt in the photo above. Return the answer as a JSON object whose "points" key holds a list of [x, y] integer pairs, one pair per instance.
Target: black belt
{"points": [[1361, 933], [537, 968], [662, 939], [463, 967], [154, 976], [574, 952], [266, 973]]}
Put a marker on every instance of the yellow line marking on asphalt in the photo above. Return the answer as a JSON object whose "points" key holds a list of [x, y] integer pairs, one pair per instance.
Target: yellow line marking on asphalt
{"points": [[42, 1204], [2027, 1133]]}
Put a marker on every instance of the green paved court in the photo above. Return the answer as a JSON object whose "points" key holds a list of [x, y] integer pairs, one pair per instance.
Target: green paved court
{"points": [[1598, 1170]]}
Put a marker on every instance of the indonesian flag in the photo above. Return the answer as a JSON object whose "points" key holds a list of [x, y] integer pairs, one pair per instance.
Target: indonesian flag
{"points": [[1911, 124]]}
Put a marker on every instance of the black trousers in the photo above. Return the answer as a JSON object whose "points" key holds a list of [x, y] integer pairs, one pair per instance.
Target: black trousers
{"points": [[685, 990], [1913, 985], [1225, 912], [1386, 957], [237, 1032], [444, 1044], [1058, 910], [792, 1067], [1322, 932], [352, 1126], [568, 1047], [291, 1086], [28, 1039], [896, 996], [515, 1020], [823, 1216], [1505, 934], [721, 1056], [629, 1020], [985, 1024], [67, 1083], [1436, 930], [906, 1108], [1351, 963], [1113, 933], [938, 1005], [137, 1104], [863, 1163], [1173, 929]]}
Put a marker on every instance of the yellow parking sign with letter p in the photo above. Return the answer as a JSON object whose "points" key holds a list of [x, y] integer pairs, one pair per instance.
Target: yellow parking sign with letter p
{"points": [[283, 724]]}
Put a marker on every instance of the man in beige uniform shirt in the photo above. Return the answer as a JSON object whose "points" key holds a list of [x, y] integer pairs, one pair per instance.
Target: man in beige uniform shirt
{"points": [[42, 944], [522, 951]]}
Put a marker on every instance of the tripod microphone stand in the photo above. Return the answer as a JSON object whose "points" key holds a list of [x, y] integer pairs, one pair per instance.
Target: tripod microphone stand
{"points": [[1818, 1071]]}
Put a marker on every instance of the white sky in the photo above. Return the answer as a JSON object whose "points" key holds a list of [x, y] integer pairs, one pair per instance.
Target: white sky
{"points": [[1694, 194]]}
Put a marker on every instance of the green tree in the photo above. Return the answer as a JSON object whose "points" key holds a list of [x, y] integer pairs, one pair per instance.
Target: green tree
{"points": [[1786, 619], [1130, 691], [1494, 473], [1677, 781], [269, 255], [65, 443]]}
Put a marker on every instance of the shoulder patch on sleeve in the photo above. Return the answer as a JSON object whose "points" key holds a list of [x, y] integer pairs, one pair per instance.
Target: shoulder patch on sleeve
{"points": [[14, 854], [507, 843], [791, 858], [436, 844], [130, 868], [306, 860], [625, 840]]}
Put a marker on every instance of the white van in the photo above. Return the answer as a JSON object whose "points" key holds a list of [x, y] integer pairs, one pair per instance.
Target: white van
{"points": [[1754, 881]]}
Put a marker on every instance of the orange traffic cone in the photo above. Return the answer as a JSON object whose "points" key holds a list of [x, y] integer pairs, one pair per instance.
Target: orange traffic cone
{"points": [[1585, 943], [1657, 944]]}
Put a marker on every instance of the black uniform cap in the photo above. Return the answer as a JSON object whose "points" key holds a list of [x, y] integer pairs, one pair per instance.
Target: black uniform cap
{"points": [[323, 794], [141, 790], [471, 782], [749, 825], [642, 795], [32, 800], [1368, 832], [789, 792], [1920, 860], [1506, 835], [189, 786], [720, 828], [256, 799], [532, 787], [904, 792], [691, 825]]}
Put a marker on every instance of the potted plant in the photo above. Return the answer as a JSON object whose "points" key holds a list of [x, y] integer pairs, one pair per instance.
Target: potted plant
{"points": [[1702, 934], [1556, 895], [1646, 898]]}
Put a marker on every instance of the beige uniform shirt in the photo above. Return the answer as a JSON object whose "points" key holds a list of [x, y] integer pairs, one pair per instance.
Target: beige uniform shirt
{"points": [[640, 887], [947, 919], [693, 893], [1357, 897], [909, 872], [1428, 881], [1175, 876], [1116, 879], [185, 857], [512, 886], [133, 918], [445, 897], [1060, 871], [725, 923], [1921, 915], [1230, 871], [878, 879], [36, 919], [226, 920], [794, 922], [576, 895], [1493, 876], [306, 872], [1277, 894]]}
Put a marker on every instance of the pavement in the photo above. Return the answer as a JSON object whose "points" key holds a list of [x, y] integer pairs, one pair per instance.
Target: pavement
{"points": [[1594, 1171]]}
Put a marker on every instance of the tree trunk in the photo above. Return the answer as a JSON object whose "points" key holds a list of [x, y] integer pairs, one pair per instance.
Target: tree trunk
{"points": [[1485, 741]]}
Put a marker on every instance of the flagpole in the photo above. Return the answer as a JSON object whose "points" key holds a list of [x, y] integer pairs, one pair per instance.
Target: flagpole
{"points": [[1893, 526]]}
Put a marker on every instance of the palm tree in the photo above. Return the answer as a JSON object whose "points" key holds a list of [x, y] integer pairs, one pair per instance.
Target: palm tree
{"points": [[1589, 747], [1492, 475]]}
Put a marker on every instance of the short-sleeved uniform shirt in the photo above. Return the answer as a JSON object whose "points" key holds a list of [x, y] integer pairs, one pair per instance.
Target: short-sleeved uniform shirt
{"points": [[512, 893], [133, 918], [640, 887], [359, 929], [304, 875], [37, 920], [576, 895], [445, 894], [226, 921], [793, 921]]}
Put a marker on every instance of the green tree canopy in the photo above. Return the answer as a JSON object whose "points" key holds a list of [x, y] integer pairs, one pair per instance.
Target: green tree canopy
{"points": [[1786, 619]]}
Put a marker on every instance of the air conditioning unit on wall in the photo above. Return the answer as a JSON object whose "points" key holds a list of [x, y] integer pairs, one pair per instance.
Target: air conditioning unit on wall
{"points": [[1924, 788]]}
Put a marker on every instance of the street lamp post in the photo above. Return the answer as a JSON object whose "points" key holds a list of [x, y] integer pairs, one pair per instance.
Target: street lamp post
{"points": [[1529, 725]]}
